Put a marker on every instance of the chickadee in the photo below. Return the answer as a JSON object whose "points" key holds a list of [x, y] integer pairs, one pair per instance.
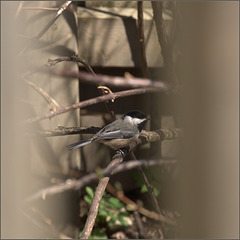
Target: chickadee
{"points": [[119, 133]]}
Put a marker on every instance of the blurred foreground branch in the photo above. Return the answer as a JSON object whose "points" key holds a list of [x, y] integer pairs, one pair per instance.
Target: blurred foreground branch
{"points": [[111, 81], [78, 184]]}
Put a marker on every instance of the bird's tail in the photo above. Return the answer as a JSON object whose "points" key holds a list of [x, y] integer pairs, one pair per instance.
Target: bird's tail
{"points": [[79, 144]]}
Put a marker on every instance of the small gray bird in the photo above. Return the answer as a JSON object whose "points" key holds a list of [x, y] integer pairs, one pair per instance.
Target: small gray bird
{"points": [[119, 133]]}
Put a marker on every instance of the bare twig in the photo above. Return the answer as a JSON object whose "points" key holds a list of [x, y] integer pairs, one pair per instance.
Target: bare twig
{"points": [[135, 207], [92, 102], [150, 190], [141, 40], [40, 8], [78, 184], [52, 103], [111, 81], [71, 59], [139, 224], [59, 12], [116, 160]]}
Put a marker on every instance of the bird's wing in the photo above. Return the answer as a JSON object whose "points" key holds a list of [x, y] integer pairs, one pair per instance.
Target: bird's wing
{"points": [[115, 134], [109, 135]]}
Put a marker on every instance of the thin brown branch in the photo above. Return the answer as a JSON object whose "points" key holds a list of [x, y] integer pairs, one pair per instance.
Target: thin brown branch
{"points": [[135, 207], [80, 183], [71, 59], [62, 8], [52, 103], [40, 8], [141, 39], [161, 135], [111, 81], [116, 160], [139, 224], [92, 102], [150, 191]]}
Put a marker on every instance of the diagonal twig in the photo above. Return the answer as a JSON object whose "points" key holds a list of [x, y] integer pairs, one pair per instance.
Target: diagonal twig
{"points": [[116, 160], [92, 102], [40, 8], [52, 103], [150, 191], [62, 8]]}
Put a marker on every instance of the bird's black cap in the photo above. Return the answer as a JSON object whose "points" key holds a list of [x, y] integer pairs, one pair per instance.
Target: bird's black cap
{"points": [[135, 114]]}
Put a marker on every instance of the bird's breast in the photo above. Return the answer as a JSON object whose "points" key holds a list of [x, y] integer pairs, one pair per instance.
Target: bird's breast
{"points": [[118, 143]]}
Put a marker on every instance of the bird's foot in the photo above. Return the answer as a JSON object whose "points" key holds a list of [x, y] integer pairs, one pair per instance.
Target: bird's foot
{"points": [[123, 151], [119, 151]]}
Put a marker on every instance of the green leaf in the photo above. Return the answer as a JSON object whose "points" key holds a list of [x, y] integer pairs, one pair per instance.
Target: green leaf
{"points": [[156, 192], [111, 223], [143, 188], [124, 214], [89, 192], [115, 203], [98, 233], [103, 213], [122, 221], [88, 199]]}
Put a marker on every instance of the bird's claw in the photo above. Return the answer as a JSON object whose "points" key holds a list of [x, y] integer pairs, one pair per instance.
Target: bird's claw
{"points": [[119, 151], [122, 152]]}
